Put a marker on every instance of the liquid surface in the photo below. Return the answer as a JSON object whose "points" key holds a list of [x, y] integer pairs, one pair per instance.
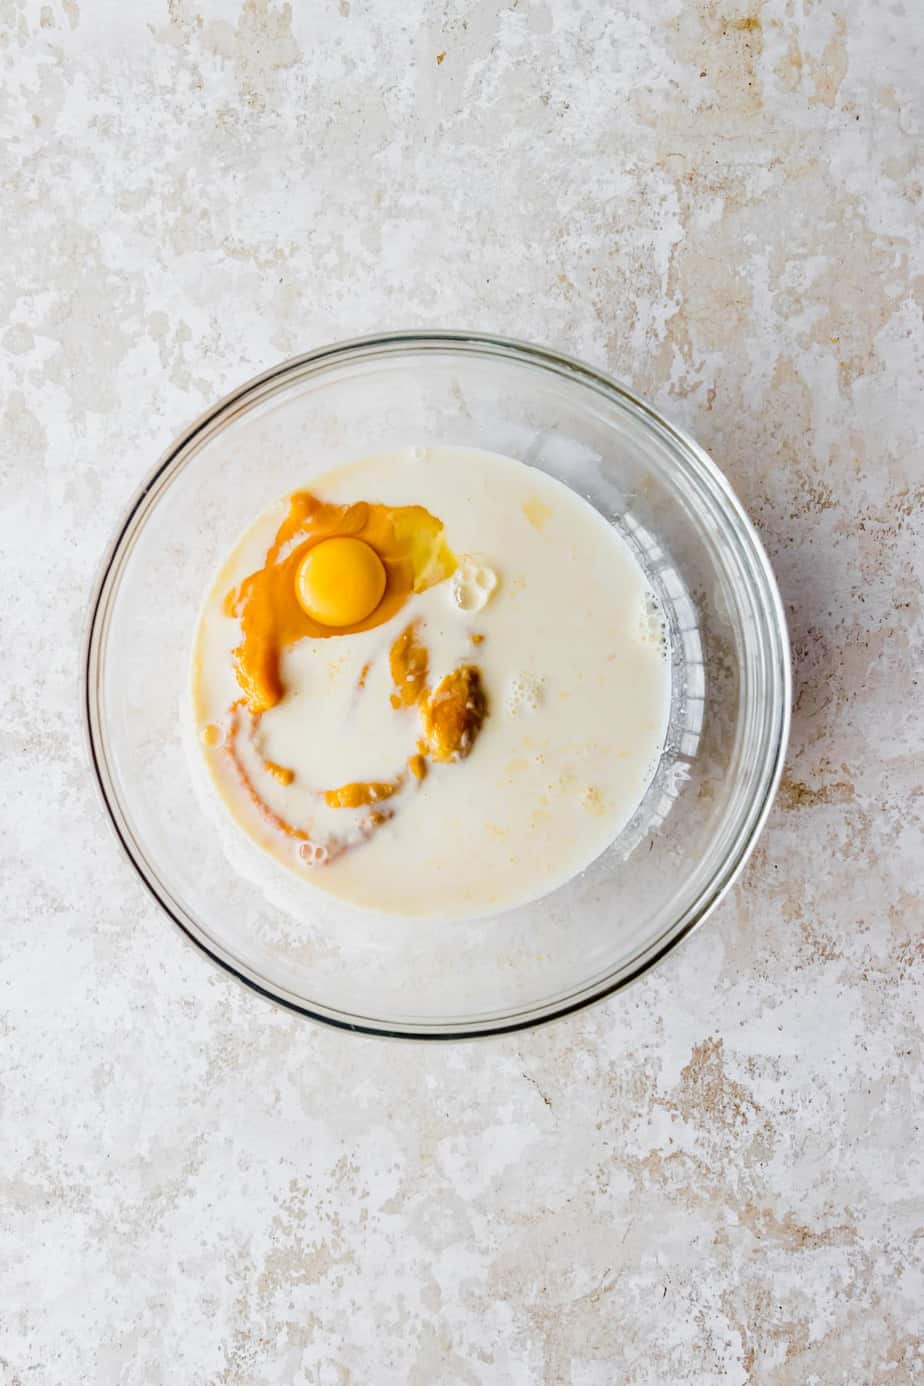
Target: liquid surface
{"points": [[491, 725]]}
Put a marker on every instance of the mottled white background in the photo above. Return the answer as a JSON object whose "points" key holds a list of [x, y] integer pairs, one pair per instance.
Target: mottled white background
{"points": [[716, 1178]]}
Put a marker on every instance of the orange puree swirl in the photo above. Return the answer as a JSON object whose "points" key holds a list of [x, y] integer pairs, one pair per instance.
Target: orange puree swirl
{"points": [[274, 606]]}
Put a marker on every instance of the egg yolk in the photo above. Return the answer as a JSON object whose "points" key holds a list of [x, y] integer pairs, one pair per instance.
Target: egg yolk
{"points": [[340, 581]]}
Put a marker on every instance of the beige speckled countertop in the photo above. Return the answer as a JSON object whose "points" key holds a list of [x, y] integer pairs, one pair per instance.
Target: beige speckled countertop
{"points": [[715, 1178]]}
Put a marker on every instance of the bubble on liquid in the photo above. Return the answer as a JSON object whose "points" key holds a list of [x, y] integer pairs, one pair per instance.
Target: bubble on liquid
{"points": [[524, 694], [312, 853], [652, 626], [472, 583]]}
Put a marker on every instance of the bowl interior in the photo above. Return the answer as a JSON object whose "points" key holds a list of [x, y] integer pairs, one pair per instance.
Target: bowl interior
{"points": [[729, 701]]}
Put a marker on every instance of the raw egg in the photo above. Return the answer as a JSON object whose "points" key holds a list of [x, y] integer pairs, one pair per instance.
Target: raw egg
{"points": [[340, 581], [331, 570]]}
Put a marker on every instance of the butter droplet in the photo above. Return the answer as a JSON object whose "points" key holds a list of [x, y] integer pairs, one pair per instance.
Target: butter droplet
{"points": [[473, 583], [537, 512]]}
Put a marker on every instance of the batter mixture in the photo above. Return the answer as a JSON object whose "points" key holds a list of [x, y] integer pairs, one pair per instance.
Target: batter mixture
{"points": [[434, 684]]}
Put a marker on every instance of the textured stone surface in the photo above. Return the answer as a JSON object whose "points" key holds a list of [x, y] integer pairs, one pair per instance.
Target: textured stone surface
{"points": [[716, 1178]]}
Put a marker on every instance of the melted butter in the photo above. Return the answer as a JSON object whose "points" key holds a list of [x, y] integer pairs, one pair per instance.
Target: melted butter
{"points": [[537, 512]]}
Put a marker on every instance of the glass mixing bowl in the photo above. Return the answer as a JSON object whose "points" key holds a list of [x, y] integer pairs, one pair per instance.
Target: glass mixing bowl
{"points": [[730, 686]]}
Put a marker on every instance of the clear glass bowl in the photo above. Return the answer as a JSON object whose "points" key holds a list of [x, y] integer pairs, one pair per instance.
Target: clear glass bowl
{"points": [[729, 703]]}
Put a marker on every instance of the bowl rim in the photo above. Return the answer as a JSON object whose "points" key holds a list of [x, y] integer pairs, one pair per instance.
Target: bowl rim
{"points": [[753, 818]]}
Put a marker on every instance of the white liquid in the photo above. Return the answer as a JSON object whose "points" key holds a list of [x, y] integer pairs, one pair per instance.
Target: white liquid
{"points": [[573, 662]]}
